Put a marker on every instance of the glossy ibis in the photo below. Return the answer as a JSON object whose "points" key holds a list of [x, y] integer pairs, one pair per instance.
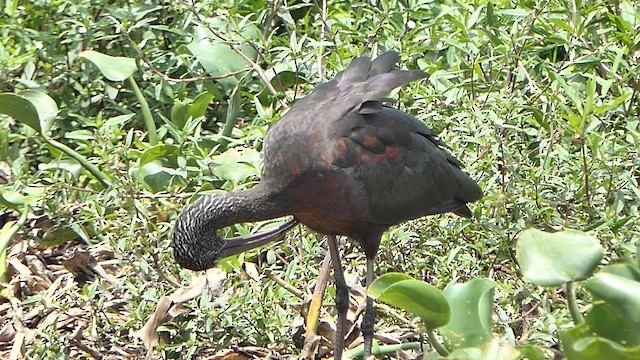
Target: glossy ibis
{"points": [[341, 163]]}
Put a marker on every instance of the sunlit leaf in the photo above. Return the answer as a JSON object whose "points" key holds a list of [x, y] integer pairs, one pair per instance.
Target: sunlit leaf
{"points": [[417, 297], [114, 68], [623, 296], [158, 152], [579, 343], [471, 309], [33, 108], [155, 177], [607, 322], [553, 259], [491, 350], [220, 59]]}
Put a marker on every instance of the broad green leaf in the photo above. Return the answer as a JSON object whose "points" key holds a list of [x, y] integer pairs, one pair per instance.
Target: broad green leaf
{"points": [[179, 114], [471, 306], [70, 165], [12, 199], [156, 177], [182, 111], [622, 295], [200, 104], [382, 283], [220, 59], [491, 350], [236, 173], [17, 200], [553, 259], [114, 68], [598, 348], [158, 152], [45, 106], [417, 297], [607, 322], [579, 343], [119, 120], [531, 352], [236, 164], [568, 338], [33, 108], [20, 109], [625, 270]]}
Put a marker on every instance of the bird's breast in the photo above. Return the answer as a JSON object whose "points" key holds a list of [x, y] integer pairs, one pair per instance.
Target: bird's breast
{"points": [[330, 202]]}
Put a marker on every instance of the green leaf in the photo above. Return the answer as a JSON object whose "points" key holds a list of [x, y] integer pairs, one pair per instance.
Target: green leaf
{"points": [[45, 106], [623, 296], [568, 338], [9, 229], [236, 173], [514, 12], [155, 177], [12, 199], [553, 259], [33, 108], [16, 200], [531, 352], [236, 164], [579, 343], [179, 114], [597, 348], [625, 270], [607, 322], [382, 283], [471, 309], [200, 104], [218, 58], [70, 165], [182, 111], [20, 109], [114, 68], [414, 296], [158, 152], [491, 350]]}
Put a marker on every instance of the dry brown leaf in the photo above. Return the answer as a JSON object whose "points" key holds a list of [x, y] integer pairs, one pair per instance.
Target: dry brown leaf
{"points": [[167, 307]]}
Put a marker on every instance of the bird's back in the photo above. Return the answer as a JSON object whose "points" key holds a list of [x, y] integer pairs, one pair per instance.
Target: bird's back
{"points": [[350, 164]]}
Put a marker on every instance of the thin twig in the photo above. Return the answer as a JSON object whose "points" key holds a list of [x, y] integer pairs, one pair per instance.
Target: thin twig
{"points": [[261, 73], [165, 77], [285, 285]]}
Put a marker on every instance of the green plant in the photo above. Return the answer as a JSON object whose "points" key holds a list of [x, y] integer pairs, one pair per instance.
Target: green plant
{"points": [[611, 327]]}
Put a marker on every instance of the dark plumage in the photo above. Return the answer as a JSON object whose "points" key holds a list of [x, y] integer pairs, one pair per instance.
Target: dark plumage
{"points": [[343, 164]]}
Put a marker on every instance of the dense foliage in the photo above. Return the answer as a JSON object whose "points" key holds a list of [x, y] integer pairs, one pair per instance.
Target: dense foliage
{"points": [[540, 100]]}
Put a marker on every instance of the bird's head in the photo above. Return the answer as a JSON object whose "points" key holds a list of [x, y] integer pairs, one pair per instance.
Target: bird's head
{"points": [[196, 246]]}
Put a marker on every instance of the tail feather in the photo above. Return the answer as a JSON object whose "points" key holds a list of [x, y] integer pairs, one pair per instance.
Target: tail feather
{"points": [[363, 81], [384, 63]]}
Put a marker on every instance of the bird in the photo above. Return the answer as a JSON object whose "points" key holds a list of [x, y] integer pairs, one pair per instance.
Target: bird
{"points": [[343, 163]]}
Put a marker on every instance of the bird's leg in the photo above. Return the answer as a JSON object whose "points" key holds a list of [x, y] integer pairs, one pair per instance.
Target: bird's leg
{"points": [[369, 314], [342, 298]]}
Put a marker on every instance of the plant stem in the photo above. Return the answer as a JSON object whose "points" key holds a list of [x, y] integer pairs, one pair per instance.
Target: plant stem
{"points": [[146, 112], [6, 234], [99, 175], [436, 344], [573, 305]]}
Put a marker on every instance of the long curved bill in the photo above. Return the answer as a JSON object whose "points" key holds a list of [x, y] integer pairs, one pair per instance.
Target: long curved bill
{"points": [[236, 245]]}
